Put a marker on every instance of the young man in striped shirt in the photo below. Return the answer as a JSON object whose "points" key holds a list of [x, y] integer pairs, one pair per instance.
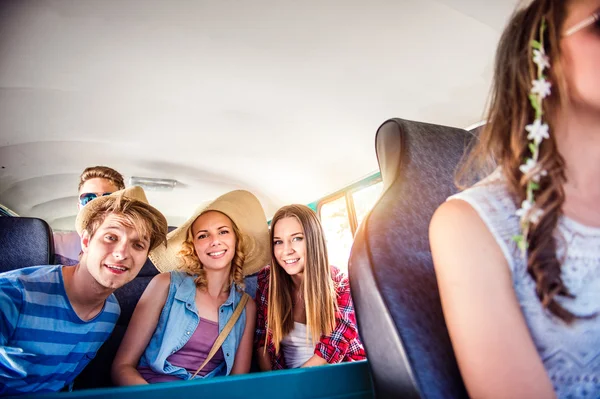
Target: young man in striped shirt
{"points": [[55, 318]]}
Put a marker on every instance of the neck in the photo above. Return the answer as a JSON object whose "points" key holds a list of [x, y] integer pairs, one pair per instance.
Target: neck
{"points": [[217, 281], [297, 279], [578, 139], [86, 296]]}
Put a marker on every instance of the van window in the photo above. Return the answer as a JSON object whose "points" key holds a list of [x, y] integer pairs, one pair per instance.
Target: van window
{"points": [[338, 233], [341, 215], [364, 200]]}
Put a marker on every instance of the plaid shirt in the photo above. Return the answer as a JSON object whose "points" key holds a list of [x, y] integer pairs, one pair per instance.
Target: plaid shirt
{"points": [[342, 345]]}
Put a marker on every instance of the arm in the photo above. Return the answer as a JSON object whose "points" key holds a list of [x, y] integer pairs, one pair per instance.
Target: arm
{"points": [[262, 297], [495, 352], [263, 359], [315, 360], [139, 332], [11, 300], [334, 347], [243, 356]]}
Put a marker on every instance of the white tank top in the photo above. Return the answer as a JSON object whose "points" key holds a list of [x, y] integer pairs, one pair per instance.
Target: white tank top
{"points": [[297, 346], [571, 353]]}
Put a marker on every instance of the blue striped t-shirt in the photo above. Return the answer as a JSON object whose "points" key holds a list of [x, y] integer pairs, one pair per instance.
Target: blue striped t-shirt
{"points": [[44, 345]]}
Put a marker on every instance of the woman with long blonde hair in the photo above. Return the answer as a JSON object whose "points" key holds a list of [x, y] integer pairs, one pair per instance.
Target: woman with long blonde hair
{"points": [[194, 319], [305, 312], [517, 256]]}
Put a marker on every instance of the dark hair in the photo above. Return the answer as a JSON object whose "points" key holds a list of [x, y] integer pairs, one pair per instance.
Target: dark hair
{"points": [[504, 138]]}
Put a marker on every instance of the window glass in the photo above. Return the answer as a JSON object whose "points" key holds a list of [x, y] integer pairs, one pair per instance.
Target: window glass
{"points": [[336, 224], [364, 200]]}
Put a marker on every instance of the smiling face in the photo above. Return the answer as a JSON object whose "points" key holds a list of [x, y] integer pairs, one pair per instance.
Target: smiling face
{"points": [[289, 246], [214, 240], [115, 253]]}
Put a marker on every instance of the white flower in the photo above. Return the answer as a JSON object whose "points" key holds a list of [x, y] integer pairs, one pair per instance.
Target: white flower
{"points": [[536, 178], [542, 87], [537, 131], [535, 215], [530, 165], [528, 213], [541, 59], [525, 207]]}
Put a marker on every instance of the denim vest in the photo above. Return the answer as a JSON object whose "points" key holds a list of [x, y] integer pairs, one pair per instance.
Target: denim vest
{"points": [[178, 321]]}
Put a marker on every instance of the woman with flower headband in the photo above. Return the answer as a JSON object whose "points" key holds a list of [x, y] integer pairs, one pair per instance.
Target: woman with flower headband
{"points": [[517, 256], [305, 312], [194, 320]]}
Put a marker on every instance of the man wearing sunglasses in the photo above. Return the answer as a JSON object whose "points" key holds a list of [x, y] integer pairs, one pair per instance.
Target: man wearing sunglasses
{"points": [[54, 317], [94, 182], [97, 181]]}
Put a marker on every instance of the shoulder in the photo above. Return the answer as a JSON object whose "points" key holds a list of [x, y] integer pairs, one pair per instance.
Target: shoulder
{"points": [[263, 276], [340, 280], [250, 305], [264, 272], [32, 275], [492, 200], [160, 282], [456, 222], [481, 218], [11, 287], [462, 245], [337, 275]]}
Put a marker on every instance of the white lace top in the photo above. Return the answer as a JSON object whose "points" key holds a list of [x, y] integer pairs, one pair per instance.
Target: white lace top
{"points": [[571, 353]]}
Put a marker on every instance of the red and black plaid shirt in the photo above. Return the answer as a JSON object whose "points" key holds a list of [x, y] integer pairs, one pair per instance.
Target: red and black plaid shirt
{"points": [[342, 345]]}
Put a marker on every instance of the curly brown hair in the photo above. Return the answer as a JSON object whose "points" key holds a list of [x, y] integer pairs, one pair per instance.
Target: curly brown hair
{"points": [[504, 137], [190, 263]]}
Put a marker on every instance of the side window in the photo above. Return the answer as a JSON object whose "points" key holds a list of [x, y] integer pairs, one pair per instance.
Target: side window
{"points": [[364, 200], [338, 233], [341, 215]]}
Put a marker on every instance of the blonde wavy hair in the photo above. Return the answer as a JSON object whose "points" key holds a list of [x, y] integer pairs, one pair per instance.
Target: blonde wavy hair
{"points": [[190, 263]]}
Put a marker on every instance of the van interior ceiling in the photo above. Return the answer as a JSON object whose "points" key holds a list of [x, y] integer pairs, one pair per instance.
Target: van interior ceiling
{"points": [[278, 97]]}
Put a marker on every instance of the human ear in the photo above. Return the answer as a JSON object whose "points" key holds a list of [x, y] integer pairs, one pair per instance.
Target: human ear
{"points": [[85, 241]]}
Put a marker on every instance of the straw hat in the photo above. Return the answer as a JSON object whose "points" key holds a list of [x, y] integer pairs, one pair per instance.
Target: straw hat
{"points": [[132, 193], [244, 209]]}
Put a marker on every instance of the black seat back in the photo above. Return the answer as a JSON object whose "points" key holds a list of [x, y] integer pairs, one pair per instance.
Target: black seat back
{"points": [[25, 242], [392, 278]]}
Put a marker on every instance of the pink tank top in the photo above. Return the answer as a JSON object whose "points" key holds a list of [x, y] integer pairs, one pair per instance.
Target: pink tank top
{"points": [[192, 354]]}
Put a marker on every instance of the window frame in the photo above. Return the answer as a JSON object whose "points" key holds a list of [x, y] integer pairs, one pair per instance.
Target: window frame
{"points": [[348, 192]]}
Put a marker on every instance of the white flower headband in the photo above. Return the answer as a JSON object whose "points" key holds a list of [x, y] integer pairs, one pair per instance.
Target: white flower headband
{"points": [[529, 213]]}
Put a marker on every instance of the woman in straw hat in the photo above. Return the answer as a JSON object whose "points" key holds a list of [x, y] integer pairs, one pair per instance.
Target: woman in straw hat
{"points": [[305, 312], [517, 256], [188, 320]]}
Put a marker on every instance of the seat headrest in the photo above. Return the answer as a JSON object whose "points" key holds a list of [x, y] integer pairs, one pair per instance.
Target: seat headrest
{"points": [[392, 278], [25, 242]]}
